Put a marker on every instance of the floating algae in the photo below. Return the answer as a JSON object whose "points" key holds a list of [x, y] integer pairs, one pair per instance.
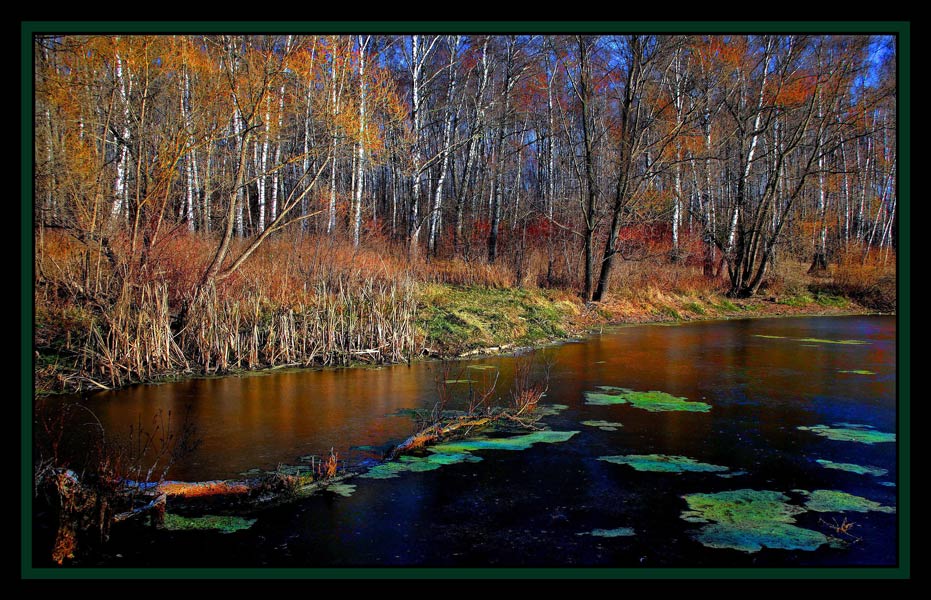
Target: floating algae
{"points": [[850, 432], [548, 410], [224, 524], [821, 341], [449, 453], [858, 372], [835, 501], [406, 412], [652, 401], [610, 533], [734, 474], [481, 367], [811, 340], [662, 463], [459, 381], [603, 425], [294, 470], [342, 489], [852, 468], [517, 442], [417, 464], [747, 520]]}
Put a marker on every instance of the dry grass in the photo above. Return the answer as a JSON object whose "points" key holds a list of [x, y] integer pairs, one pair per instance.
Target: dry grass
{"points": [[104, 321]]}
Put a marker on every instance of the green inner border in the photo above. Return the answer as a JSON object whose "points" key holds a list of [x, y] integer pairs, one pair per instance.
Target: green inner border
{"points": [[902, 29]]}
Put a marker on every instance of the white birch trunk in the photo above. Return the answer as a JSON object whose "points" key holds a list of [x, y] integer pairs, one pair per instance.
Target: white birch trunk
{"points": [[360, 157], [120, 187], [436, 211]]}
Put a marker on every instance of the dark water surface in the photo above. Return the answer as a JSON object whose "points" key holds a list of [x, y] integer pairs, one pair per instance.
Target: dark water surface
{"points": [[528, 508]]}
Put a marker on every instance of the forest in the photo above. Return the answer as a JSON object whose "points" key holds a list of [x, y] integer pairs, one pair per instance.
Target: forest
{"points": [[204, 203]]}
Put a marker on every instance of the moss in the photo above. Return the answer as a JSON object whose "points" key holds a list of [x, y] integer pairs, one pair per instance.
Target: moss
{"points": [[858, 372], [852, 468], [652, 401], [610, 533], [224, 524], [603, 425], [749, 520], [835, 501], [662, 463], [850, 432]]}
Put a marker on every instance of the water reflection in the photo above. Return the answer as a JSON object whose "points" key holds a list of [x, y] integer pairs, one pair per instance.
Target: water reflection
{"points": [[760, 388]]}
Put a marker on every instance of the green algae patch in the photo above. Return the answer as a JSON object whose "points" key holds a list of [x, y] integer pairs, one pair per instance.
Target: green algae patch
{"points": [[459, 381], [887, 483], [734, 474], [450, 453], [852, 468], [823, 341], [406, 412], [835, 501], [663, 463], [652, 401], [342, 489], [223, 524], [481, 367], [610, 533], [548, 410], [517, 442], [749, 520], [603, 425], [417, 464], [858, 372], [850, 432]]}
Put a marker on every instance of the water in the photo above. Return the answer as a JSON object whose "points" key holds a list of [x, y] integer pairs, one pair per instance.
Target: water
{"points": [[762, 378]]}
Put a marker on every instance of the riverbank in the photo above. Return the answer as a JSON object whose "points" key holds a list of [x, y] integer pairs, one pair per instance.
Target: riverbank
{"points": [[313, 302], [453, 321], [464, 321]]}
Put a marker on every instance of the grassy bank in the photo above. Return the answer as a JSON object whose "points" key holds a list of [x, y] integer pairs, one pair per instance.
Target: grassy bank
{"points": [[461, 321], [319, 303]]}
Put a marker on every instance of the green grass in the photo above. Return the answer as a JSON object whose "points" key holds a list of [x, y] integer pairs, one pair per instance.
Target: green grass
{"points": [[668, 311], [728, 306], [457, 318], [830, 300], [696, 308], [797, 300]]}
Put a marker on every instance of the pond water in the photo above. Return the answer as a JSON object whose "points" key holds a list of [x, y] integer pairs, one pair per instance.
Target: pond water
{"points": [[769, 439]]}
